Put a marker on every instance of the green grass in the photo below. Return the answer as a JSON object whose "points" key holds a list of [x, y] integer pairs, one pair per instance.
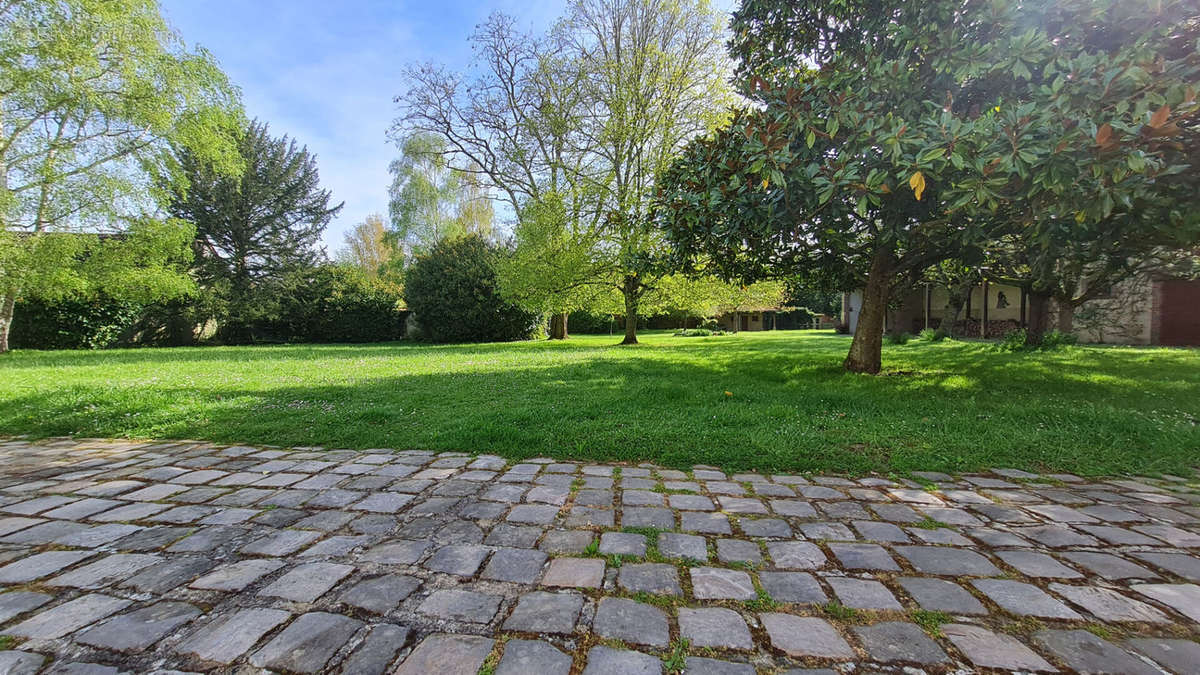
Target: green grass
{"points": [[951, 406], [931, 621]]}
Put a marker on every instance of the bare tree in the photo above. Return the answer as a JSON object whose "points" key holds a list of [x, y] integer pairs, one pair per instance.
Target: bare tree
{"points": [[588, 113]]}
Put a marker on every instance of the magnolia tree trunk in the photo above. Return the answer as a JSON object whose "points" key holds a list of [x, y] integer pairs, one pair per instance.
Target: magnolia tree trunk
{"points": [[558, 326], [1066, 317], [631, 290], [1039, 318], [955, 311], [866, 351], [7, 303]]}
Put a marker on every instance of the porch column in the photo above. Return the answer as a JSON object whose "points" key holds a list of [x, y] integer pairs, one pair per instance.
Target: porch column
{"points": [[928, 302], [983, 325]]}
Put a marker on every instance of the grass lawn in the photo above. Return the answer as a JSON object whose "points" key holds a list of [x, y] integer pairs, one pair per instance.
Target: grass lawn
{"points": [[953, 405]]}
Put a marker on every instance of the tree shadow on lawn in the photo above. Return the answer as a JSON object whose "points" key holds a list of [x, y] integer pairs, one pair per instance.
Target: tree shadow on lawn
{"points": [[968, 408], [29, 358]]}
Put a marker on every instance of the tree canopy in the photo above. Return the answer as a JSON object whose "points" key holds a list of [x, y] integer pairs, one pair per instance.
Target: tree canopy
{"points": [[368, 247], [887, 136], [430, 200], [92, 92], [252, 228], [584, 117]]}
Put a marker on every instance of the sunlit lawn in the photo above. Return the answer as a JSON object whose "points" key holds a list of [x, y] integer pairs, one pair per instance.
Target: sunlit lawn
{"points": [[952, 405]]}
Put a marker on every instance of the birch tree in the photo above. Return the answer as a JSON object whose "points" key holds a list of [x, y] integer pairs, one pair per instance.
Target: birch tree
{"points": [[91, 93]]}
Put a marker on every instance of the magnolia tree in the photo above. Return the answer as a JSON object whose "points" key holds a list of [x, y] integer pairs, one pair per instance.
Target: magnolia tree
{"points": [[91, 94], [889, 136], [1094, 153]]}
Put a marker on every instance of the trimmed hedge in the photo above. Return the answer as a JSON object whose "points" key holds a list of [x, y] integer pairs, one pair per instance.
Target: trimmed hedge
{"points": [[329, 303], [73, 324], [333, 303]]}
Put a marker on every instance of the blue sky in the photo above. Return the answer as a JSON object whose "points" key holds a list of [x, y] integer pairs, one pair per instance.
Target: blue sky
{"points": [[325, 72]]}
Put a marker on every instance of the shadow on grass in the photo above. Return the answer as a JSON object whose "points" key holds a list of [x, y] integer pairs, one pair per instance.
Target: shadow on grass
{"points": [[792, 408]]}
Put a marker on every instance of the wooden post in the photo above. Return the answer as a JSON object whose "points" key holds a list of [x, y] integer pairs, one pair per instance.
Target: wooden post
{"points": [[984, 323], [970, 293], [1024, 302]]}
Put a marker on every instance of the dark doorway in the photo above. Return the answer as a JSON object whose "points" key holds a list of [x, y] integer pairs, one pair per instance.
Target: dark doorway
{"points": [[1179, 313]]}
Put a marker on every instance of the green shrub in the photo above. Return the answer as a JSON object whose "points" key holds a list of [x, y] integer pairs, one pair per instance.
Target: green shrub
{"points": [[710, 324], [931, 335], [454, 293], [1014, 341], [697, 332], [900, 338], [74, 324], [1055, 339], [333, 303]]}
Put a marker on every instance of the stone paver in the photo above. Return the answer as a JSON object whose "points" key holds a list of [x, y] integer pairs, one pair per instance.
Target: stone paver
{"points": [[632, 622], [940, 560], [1183, 598], [714, 627], [608, 661], [133, 556], [939, 595], [715, 583], [307, 643], [798, 587], [377, 651], [799, 636], [447, 653], [681, 546], [699, 665], [1024, 599], [15, 662], [575, 573], [139, 629], [863, 594], [1109, 605], [1086, 653], [986, 649], [40, 565], [236, 576], [15, 603], [522, 657], [68, 617], [519, 565], [796, 555], [459, 605], [105, 571], [306, 583], [229, 637], [541, 612], [381, 594], [656, 578], [898, 641], [1179, 656]]}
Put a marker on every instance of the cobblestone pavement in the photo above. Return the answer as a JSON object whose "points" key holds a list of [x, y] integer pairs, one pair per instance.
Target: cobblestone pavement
{"points": [[123, 556]]}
